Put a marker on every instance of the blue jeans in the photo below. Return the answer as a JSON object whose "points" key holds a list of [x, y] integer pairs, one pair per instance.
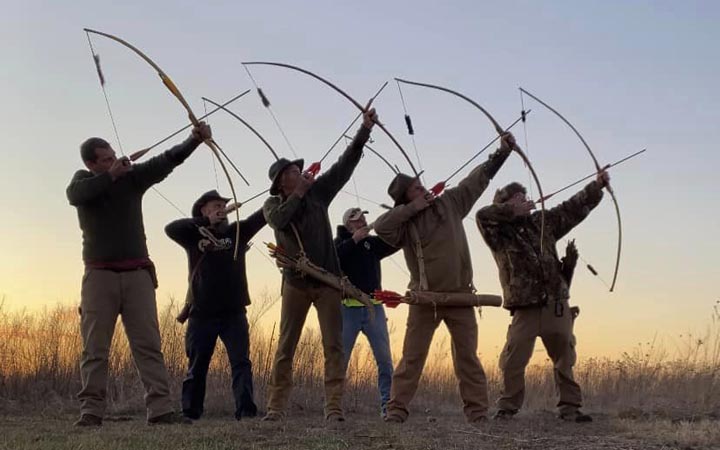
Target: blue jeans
{"points": [[200, 339], [357, 319]]}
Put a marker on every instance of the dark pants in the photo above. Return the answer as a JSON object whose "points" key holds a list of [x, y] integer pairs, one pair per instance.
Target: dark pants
{"points": [[200, 339]]}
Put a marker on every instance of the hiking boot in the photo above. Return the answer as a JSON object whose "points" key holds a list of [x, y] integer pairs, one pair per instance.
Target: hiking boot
{"points": [[171, 418], [272, 416], [88, 420], [504, 414], [576, 416]]}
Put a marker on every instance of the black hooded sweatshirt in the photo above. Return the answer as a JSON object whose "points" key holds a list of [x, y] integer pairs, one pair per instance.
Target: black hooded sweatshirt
{"points": [[219, 285]]}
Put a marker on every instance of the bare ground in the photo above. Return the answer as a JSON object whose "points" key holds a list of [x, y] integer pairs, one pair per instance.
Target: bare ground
{"points": [[533, 430]]}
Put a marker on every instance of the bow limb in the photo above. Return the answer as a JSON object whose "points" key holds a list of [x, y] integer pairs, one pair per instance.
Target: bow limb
{"points": [[599, 169], [344, 94], [249, 127], [495, 123], [191, 115], [500, 131]]}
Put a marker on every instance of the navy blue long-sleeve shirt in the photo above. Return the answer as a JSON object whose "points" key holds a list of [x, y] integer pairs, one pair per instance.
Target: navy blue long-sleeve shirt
{"points": [[360, 261]]}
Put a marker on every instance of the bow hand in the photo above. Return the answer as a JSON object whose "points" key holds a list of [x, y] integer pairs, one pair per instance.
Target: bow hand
{"points": [[507, 141], [202, 132], [603, 178], [370, 117]]}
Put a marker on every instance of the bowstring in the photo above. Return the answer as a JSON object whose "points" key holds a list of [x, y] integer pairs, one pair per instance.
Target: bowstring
{"points": [[96, 59], [272, 114], [527, 146], [412, 136], [217, 183]]}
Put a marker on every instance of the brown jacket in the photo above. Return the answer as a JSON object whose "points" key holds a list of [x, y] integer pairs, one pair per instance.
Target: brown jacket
{"points": [[440, 229], [527, 277]]}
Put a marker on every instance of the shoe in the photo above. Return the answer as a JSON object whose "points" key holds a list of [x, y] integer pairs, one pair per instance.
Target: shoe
{"points": [[478, 421], [335, 417], [88, 420], [272, 417], [171, 418], [392, 418], [576, 416], [504, 414]]}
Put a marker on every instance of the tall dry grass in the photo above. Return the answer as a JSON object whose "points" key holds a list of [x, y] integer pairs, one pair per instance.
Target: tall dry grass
{"points": [[39, 356]]}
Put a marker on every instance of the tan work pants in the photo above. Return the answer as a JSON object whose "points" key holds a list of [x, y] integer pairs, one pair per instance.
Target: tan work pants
{"points": [[295, 306], [556, 333], [105, 295], [421, 324]]}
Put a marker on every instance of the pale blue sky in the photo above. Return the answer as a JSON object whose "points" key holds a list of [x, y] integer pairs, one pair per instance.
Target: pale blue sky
{"points": [[628, 74]]}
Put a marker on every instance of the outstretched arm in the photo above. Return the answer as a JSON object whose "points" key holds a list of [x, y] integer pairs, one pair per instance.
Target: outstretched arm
{"points": [[466, 194], [329, 183], [157, 168], [568, 214], [252, 224]]}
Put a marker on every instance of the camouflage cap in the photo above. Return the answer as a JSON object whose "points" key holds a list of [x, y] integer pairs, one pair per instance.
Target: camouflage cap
{"points": [[504, 194]]}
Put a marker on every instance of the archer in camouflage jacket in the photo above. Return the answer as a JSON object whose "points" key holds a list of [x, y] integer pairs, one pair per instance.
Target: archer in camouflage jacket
{"points": [[528, 276]]}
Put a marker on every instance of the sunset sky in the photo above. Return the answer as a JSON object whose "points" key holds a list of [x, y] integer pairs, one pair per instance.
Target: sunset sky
{"points": [[628, 75]]}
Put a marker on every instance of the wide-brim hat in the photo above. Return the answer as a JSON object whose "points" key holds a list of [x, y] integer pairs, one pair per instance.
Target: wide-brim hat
{"points": [[399, 186], [277, 168], [204, 199]]}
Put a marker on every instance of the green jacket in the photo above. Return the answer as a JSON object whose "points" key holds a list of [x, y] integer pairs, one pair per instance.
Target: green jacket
{"points": [[440, 228], [529, 278], [110, 212], [309, 214]]}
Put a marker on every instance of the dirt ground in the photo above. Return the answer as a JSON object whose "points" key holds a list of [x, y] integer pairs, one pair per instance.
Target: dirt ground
{"points": [[532, 430]]}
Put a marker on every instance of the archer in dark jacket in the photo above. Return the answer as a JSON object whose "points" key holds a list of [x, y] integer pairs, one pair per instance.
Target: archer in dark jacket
{"points": [[360, 256], [218, 294], [298, 213]]}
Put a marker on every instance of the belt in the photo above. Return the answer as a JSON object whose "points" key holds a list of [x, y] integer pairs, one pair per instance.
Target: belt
{"points": [[353, 303]]}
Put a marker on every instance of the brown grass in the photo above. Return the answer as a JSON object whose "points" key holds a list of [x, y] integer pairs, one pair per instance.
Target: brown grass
{"points": [[39, 371]]}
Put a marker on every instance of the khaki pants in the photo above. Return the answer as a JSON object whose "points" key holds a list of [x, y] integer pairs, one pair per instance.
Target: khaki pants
{"points": [[557, 336], [421, 324], [295, 306], [104, 296]]}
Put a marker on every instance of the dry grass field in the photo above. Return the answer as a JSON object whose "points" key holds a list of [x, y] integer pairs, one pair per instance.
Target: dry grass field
{"points": [[648, 398]]}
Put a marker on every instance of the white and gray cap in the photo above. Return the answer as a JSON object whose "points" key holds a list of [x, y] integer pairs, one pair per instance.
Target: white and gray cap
{"points": [[352, 214]]}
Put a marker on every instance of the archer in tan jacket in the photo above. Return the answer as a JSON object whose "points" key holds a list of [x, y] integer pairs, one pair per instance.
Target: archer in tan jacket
{"points": [[435, 224]]}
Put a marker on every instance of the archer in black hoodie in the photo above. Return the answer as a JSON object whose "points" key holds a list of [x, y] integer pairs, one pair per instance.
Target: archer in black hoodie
{"points": [[219, 294]]}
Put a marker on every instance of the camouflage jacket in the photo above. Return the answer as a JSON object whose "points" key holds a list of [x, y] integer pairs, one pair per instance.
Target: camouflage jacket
{"points": [[529, 278]]}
